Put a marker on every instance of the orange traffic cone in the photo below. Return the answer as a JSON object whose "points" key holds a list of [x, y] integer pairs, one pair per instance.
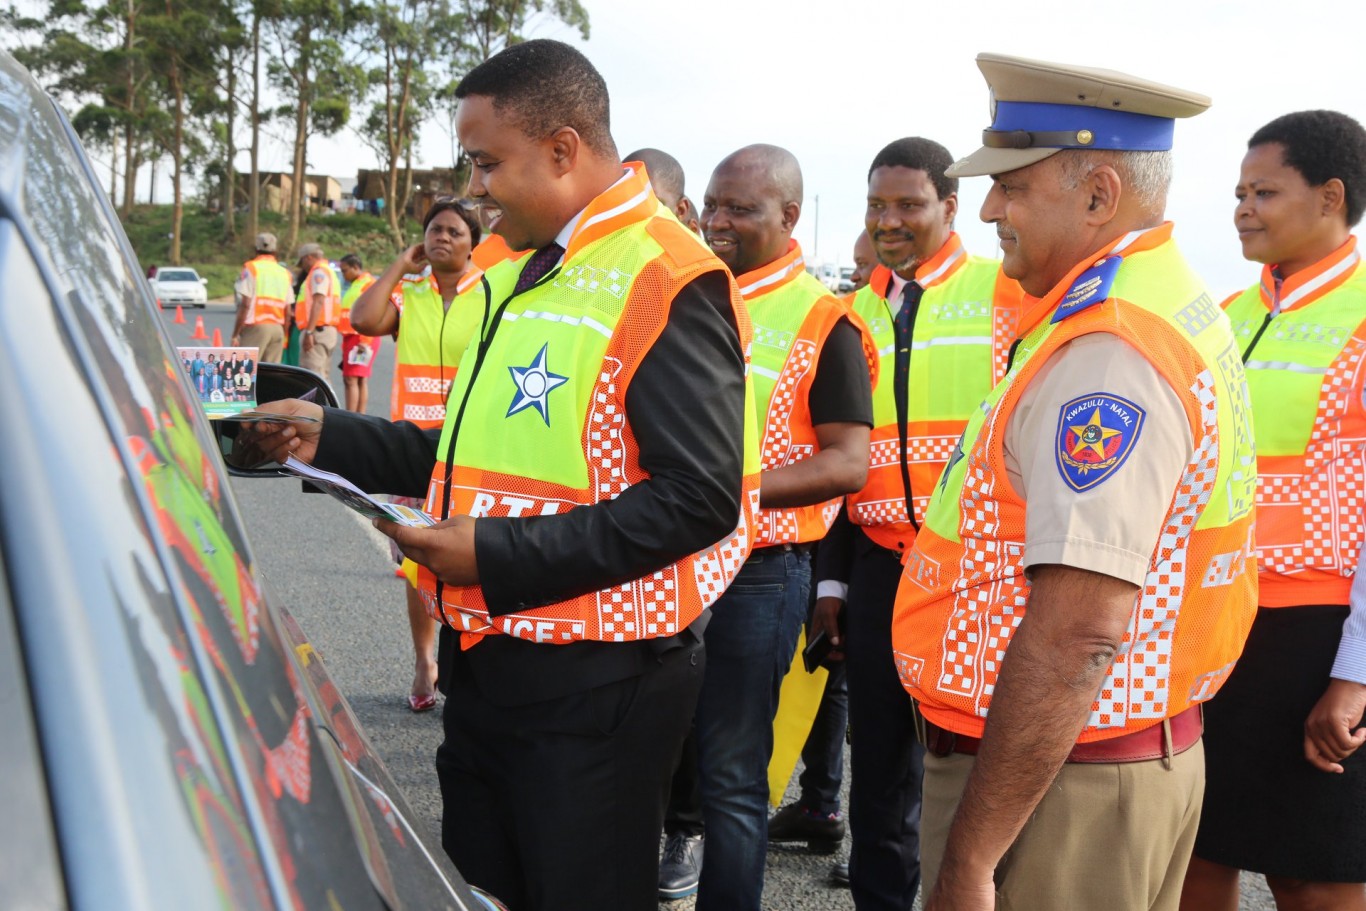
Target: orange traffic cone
{"points": [[217, 337], [199, 332], [179, 315]]}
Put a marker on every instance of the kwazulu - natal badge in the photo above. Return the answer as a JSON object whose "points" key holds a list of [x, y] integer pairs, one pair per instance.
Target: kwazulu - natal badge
{"points": [[1096, 433]]}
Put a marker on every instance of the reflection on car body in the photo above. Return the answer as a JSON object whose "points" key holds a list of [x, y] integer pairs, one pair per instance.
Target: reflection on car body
{"points": [[178, 743]]}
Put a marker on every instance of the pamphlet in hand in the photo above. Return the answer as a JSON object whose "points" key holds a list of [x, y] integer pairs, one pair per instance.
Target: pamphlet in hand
{"points": [[356, 498]]}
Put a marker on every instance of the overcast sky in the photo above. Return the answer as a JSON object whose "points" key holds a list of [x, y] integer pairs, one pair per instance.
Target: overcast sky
{"points": [[835, 81]]}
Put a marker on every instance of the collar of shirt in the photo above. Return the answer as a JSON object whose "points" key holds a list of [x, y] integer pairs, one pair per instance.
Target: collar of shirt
{"points": [[1308, 285], [1034, 309], [567, 232], [947, 260], [774, 275]]}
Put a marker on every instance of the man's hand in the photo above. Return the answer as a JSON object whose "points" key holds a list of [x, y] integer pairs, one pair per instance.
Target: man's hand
{"points": [[306, 343], [1328, 732], [962, 896], [825, 616], [264, 440], [447, 548]]}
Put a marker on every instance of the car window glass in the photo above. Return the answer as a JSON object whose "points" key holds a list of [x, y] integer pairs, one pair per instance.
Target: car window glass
{"points": [[176, 275]]}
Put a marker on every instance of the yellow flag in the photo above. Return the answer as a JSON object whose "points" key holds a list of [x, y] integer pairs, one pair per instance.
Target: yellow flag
{"points": [[798, 702]]}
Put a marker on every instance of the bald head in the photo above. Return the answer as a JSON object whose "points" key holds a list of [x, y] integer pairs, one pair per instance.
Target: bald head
{"points": [[865, 260], [665, 173], [773, 166], [751, 205]]}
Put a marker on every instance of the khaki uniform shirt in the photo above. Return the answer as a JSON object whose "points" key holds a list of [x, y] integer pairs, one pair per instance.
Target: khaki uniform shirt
{"points": [[1113, 527]]}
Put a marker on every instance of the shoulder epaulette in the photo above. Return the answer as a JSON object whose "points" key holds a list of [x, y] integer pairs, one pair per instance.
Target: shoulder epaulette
{"points": [[1090, 288]]}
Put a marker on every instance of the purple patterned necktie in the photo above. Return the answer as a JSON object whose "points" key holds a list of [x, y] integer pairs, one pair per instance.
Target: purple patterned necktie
{"points": [[538, 265]]}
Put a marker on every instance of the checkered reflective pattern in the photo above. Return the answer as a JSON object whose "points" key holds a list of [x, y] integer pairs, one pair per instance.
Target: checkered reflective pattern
{"points": [[1331, 490]]}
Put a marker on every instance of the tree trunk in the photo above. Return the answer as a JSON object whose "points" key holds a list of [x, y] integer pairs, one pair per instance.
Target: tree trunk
{"points": [[230, 171], [177, 154], [114, 168], [152, 185], [394, 145], [296, 191], [130, 172], [254, 185]]}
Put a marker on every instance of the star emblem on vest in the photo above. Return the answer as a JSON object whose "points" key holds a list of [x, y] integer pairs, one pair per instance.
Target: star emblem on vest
{"points": [[534, 384], [1096, 433]]}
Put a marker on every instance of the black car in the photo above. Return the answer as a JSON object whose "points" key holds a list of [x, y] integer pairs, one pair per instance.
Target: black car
{"points": [[170, 740]]}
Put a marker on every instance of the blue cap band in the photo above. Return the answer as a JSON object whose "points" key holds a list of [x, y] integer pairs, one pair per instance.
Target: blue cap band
{"points": [[1110, 129]]}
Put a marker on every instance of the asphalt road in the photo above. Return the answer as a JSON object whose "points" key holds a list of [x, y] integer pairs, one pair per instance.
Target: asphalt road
{"points": [[333, 571]]}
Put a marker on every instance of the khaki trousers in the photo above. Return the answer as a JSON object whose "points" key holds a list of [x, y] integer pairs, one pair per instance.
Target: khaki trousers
{"points": [[1106, 837], [267, 338], [319, 357]]}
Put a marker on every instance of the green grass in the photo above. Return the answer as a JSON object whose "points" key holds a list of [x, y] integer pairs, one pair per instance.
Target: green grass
{"points": [[203, 244]]}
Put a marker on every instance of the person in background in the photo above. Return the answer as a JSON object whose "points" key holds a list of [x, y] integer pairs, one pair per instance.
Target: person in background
{"points": [[416, 298], [813, 401], [358, 351], [317, 310], [943, 321], [1285, 791], [262, 291], [865, 260]]}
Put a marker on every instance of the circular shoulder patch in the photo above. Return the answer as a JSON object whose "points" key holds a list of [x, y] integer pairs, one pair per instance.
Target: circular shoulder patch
{"points": [[1096, 433]]}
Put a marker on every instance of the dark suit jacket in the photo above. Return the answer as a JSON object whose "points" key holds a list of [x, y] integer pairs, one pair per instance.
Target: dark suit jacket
{"points": [[686, 410]]}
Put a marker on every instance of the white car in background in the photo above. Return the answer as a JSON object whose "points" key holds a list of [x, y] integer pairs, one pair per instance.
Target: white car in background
{"points": [[179, 285]]}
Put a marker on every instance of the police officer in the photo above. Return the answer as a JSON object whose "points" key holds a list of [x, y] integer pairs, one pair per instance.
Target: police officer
{"points": [[1081, 581], [262, 291]]}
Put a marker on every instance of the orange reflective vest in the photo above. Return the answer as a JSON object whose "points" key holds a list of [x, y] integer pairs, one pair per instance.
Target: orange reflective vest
{"points": [[1305, 373], [331, 298], [491, 251], [963, 330], [272, 289], [431, 339], [793, 314], [964, 591], [563, 353]]}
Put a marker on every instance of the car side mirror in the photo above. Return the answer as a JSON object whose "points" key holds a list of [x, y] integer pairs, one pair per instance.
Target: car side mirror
{"points": [[204, 281], [273, 382]]}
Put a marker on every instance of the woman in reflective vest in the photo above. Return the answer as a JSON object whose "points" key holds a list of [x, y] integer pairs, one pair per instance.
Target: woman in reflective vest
{"points": [[571, 345], [358, 351], [419, 298], [1286, 791], [964, 590]]}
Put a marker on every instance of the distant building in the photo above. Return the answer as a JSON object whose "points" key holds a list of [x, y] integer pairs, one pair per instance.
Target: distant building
{"points": [[320, 191], [427, 185]]}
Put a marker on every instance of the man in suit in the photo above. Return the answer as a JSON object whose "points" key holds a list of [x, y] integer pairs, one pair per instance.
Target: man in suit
{"points": [[597, 480]]}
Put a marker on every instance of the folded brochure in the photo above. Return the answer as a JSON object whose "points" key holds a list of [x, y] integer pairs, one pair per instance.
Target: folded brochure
{"points": [[356, 498]]}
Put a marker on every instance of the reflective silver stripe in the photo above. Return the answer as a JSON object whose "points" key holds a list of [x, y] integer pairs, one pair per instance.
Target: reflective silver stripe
{"points": [[1287, 366], [586, 321], [957, 255], [952, 340], [764, 371], [1319, 281], [776, 277]]}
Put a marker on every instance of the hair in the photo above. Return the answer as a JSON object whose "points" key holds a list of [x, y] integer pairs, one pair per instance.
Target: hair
{"points": [[1322, 145], [545, 85], [351, 260], [664, 171], [468, 212], [1146, 176], [919, 154]]}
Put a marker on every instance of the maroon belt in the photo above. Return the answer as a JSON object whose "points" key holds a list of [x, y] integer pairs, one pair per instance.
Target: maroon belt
{"points": [[1140, 746]]}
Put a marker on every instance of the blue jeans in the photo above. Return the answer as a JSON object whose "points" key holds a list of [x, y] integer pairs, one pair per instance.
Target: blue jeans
{"points": [[751, 640]]}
